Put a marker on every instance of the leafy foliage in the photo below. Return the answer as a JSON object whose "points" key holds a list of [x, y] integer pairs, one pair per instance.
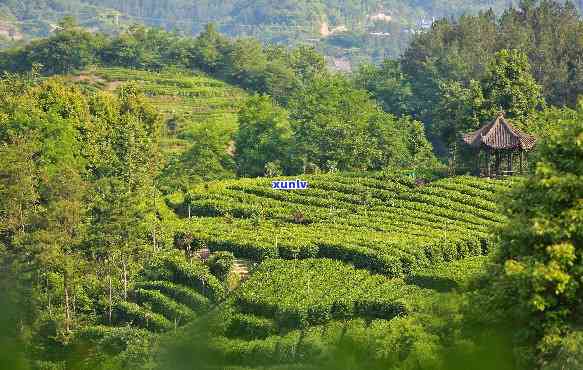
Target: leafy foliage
{"points": [[264, 136], [540, 244]]}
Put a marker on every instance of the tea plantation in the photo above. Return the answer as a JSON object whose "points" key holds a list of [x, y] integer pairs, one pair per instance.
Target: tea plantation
{"points": [[352, 255]]}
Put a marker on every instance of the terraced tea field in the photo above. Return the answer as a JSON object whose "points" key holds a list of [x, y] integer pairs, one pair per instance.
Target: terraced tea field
{"points": [[298, 312], [185, 99], [352, 256], [385, 224]]}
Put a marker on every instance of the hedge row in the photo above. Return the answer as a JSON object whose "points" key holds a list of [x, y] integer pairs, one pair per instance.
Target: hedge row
{"points": [[131, 313], [300, 293], [198, 278], [181, 294], [159, 303], [244, 326]]}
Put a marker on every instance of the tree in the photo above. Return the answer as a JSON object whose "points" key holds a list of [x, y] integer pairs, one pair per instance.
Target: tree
{"points": [[510, 87], [18, 187], [70, 49], [388, 85], [245, 64], [540, 273], [335, 124], [307, 63], [209, 157], [461, 109], [40, 172], [125, 134], [264, 136], [209, 50], [59, 232]]}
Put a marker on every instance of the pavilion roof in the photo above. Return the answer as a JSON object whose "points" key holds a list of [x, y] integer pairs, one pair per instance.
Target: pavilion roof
{"points": [[500, 134]]}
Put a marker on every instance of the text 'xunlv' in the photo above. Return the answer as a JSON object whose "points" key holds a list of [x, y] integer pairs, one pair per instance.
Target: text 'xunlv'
{"points": [[289, 185]]}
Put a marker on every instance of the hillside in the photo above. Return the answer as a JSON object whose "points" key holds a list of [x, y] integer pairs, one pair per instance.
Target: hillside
{"points": [[385, 224], [175, 202], [358, 256], [186, 101], [346, 31], [198, 116], [349, 255]]}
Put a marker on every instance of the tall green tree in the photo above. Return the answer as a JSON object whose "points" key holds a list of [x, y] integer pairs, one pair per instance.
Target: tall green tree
{"points": [[124, 171], [540, 274], [208, 158], [264, 136], [461, 110], [510, 87], [336, 126], [209, 50], [71, 48], [307, 63], [388, 84]]}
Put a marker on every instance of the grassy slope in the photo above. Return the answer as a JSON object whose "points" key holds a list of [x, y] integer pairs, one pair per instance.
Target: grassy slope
{"points": [[417, 243], [290, 310], [385, 310], [192, 100]]}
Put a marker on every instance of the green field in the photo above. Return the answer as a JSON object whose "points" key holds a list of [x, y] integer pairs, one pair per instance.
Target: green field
{"points": [[383, 223], [299, 312], [352, 255], [348, 256]]}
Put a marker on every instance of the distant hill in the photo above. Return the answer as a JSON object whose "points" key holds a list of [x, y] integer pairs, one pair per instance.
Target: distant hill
{"points": [[343, 29]]}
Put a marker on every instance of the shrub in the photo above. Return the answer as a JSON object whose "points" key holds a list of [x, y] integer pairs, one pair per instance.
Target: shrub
{"points": [[248, 327], [220, 264]]}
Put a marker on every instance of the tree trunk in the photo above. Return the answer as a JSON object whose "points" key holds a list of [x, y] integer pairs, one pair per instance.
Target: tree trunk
{"points": [[452, 159], [110, 297], [74, 305], [67, 312], [21, 215], [49, 298], [154, 240], [125, 280]]}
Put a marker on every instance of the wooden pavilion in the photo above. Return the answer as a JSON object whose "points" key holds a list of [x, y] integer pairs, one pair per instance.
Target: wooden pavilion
{"points": [[501, 141]]}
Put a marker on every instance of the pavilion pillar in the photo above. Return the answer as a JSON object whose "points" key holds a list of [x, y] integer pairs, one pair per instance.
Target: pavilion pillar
{"points": [[488, 167], [478, 170], [521, 155], [510, 161], [498, 163]]}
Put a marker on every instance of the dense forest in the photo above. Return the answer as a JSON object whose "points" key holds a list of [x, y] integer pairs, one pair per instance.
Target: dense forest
{"points": [[139, 228]]}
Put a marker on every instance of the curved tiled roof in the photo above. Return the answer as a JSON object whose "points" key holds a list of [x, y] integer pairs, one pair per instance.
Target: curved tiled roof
{"points": [[500, 134]]}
